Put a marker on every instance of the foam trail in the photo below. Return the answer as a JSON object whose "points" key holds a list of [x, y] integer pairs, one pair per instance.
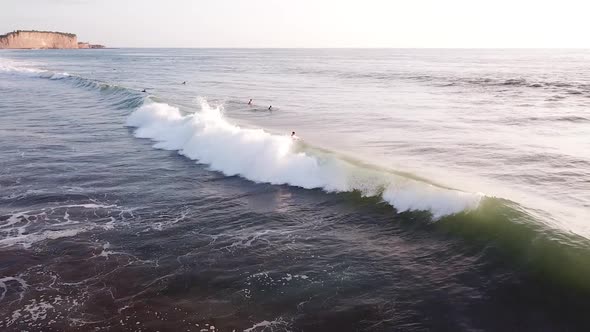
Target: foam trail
{"points": [[23, 228], [28, 69], [4, 287], [254, 154]]}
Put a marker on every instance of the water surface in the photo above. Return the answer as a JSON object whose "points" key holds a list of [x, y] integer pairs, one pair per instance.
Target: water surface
{"points": [[428, 190]]}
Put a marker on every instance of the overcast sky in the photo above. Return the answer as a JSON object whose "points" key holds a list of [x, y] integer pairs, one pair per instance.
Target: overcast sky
{"points": [[308, 23]]}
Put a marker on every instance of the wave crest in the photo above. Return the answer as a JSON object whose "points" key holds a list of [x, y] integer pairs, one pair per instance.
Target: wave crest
{"points": [[257, 155]]}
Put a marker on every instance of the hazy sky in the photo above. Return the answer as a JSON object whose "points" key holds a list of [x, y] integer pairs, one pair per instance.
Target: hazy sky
{"points": [[308, 23]]}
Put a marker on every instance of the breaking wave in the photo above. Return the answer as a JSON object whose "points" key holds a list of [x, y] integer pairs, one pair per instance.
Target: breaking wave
{"points": [[208, 138], [28, 69], [121, 97]]}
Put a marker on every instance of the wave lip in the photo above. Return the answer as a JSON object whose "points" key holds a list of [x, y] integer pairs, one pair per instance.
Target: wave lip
{"points": [[208, 138], [26, 69], [259, 156]]}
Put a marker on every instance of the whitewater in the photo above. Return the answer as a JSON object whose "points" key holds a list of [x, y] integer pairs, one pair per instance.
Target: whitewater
{"points": [[207, 137], [186, 208]]}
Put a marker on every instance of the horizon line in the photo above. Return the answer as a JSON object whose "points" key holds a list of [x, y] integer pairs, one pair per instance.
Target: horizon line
{"points": [[363, 47]]}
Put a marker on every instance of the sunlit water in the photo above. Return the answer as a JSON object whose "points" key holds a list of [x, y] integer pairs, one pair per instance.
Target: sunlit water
{"points": [[427, 189]]}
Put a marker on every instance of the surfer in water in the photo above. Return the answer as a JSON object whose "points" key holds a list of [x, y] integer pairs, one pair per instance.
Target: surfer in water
{"points": [[143, 90], [184, 83], [250, 102], [293, 135], [270, 108]]}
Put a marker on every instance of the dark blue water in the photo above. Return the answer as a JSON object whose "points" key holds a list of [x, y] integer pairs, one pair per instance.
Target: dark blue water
{"points": [[244, 230]]}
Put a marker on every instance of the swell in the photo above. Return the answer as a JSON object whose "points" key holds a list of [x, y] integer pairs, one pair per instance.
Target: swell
{"points": [[558, 118], [207, 137], [118, 96], [571, 88], [535, 248], [517, 233]]}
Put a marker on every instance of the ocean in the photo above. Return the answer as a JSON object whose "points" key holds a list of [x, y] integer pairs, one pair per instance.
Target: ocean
{"points": [[423, 190]]}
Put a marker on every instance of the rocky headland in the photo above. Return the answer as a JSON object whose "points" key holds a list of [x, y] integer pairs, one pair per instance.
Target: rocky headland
{"points": [[32, 39]]}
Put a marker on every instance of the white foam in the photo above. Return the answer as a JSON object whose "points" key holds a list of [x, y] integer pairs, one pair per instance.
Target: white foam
{"points": [[257, 155], [35, 310], [169, 221], [28, 69], [11, 66], [27, 240], [4, 287], [264, 325], [107, 252], [29, 227], [89, 206]]}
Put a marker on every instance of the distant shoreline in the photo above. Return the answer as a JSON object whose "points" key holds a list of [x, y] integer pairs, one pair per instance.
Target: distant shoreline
{"points": [[34, 39]]}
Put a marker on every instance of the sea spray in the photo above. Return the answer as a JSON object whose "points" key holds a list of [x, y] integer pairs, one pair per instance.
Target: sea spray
{"points": [[209, 138]]}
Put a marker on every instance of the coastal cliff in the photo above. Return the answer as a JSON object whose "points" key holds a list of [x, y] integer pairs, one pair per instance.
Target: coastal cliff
{"points": [[28, 39], [88, 45], [38, 39]]}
